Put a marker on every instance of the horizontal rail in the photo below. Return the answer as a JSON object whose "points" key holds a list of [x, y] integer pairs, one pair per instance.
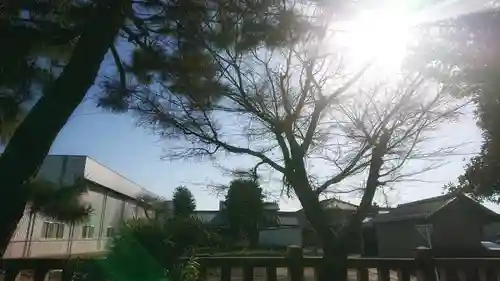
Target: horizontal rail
{"points": [[424, 268], [389, 263]]}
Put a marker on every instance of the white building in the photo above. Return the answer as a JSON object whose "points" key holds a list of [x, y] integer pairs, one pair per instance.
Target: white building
{"points": [[113, 199]]}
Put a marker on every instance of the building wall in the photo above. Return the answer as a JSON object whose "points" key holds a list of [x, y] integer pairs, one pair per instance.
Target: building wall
{"points": [[113, 217], [110, 209], [280, 237], [491, 232], [458, 227], [456, 230], [80, 244], [398, 239]]}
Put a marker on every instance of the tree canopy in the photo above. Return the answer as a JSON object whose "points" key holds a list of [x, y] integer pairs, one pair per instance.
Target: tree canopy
{"points": [[244, 210], [256, 78], [464, 52], [293, 107], [53, 51], [58, 202], [183, 201]]}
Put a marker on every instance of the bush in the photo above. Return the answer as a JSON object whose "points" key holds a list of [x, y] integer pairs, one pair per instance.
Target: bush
{"points": [[152, 250]]}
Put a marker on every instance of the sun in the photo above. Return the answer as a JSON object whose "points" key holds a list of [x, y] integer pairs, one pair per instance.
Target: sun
{"points": [[381, 36]]}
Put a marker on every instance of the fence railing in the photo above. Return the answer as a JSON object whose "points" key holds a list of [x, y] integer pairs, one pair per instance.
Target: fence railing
{"points": [[294, 267]]}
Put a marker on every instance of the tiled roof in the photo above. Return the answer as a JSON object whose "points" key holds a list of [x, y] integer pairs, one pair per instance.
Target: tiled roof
{"points": [[423, 208], [334, 203], [417, 209]]}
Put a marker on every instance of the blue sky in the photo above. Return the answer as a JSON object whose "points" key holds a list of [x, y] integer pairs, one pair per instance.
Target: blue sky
{"points": [[116, 142]]}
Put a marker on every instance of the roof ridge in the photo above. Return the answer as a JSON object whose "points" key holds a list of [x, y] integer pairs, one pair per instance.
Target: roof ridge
{"points": [[338, 200], [430, 199]]}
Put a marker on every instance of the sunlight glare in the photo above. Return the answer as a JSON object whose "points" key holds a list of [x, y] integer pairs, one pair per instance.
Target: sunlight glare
{"points": [[376, 35]]}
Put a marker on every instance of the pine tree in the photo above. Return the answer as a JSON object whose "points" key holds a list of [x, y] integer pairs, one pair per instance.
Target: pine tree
{"points": [[183, 201], [52, 52]]}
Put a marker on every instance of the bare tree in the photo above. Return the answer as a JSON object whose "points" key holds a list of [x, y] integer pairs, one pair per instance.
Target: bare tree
{"points": [[296, 108]]}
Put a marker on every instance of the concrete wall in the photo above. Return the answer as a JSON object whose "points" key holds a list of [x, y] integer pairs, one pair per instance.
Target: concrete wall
{"points": [[281, 237], [110, 209]]}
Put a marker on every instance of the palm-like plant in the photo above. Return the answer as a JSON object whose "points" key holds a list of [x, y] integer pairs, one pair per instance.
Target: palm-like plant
{"points": [[59, 202]]}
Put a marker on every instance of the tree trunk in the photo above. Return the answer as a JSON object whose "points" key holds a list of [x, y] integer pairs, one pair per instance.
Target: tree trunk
{"points": [[32, 140], [333, 265], [334, 262]]}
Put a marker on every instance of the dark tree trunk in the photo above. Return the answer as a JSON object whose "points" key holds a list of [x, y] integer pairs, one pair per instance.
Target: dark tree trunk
{"points": [[335, 245], [334, 255], [334, 262], [32, 140]]}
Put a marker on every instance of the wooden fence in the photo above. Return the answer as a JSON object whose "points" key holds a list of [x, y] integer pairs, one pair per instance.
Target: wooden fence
{"points": [[422, 268]]}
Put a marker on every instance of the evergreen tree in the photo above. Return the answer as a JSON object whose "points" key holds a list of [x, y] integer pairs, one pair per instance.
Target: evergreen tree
{"points": [[286, 103], [464, 53], [244, 209], [183, 201], [61, 203], [52, 53]]}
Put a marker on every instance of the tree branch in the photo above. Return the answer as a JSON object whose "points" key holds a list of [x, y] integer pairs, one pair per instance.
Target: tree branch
{"points": [[119, 66], [322, 104]]}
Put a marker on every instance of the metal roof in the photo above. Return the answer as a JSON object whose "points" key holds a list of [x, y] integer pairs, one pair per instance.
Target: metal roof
{"points": [[66, 168]]}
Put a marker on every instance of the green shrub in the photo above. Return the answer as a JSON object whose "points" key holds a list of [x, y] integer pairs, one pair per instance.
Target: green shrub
{"points": [[152, 250]]}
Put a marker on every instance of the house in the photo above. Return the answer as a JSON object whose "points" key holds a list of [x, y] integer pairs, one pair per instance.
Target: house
{"points": [[451, 224], [338, 213], [114, 199], [287, 231]]}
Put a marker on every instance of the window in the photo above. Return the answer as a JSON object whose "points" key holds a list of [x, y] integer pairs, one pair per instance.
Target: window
{"points": [[60, 230], [88, 231], [53, 230], [110, 231]]}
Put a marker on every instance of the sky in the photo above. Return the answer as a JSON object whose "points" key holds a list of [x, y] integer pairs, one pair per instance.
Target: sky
{"points": [[116, 142]]}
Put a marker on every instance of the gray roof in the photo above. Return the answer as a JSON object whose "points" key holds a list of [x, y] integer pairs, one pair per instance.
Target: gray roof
{"points": [[334, 203], [422, 209], [67, 168]]}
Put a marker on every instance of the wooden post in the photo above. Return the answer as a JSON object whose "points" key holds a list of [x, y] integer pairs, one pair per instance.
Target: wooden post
{"points": [[225, 272], [383, 274], [10, 274], [40, 273], [403, 275], [425, 265], [67, 274], [247, 272], [271, 273], [295, 265], [362, 274]]}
